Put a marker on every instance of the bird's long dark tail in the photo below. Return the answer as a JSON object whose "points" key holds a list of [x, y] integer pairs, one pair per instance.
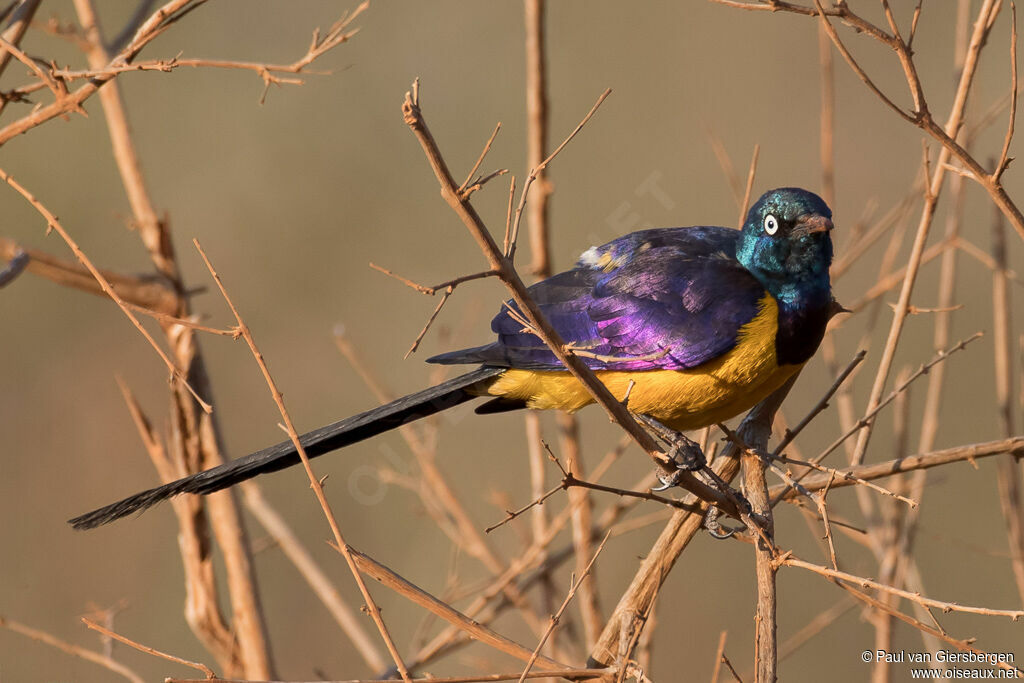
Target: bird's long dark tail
{"points": [[324, 440]]}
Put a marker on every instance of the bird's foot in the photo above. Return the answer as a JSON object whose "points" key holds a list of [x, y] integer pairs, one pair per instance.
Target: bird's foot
{"points": [[667, 481], [715, 529], [684, 453]]}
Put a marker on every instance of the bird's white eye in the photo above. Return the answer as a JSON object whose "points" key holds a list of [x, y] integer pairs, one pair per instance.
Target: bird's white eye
{"points": [[771, 225]]}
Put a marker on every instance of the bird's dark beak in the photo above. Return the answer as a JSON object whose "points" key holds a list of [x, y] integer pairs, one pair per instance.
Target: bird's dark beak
{"points": [[810, 224]]}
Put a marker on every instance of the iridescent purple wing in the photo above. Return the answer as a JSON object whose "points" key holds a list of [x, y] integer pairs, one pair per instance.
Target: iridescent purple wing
{"points": [[657, 299]]}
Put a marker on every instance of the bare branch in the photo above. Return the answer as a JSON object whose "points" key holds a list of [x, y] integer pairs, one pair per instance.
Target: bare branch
{"points": [[1004, 159], [53, 224], [71, 649], [442, 609], [315, 483], [1013, 445], [148, 650], [750, 186], [449, 191], [791, 560], [565, 603]]}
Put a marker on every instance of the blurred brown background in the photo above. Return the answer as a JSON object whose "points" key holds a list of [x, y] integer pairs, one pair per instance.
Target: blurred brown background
{"points": [[293, 198]]}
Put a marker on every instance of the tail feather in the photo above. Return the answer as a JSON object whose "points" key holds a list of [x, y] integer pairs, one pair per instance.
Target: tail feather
{"points": [[324, 440]]}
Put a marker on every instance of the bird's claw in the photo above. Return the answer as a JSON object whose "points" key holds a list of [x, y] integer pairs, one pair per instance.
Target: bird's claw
{"points": [[716, 530], [720, 535], [685, 455], [667, 480]]}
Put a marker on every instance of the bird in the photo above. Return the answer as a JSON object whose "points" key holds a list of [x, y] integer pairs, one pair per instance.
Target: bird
{"points": [[695, 324]]}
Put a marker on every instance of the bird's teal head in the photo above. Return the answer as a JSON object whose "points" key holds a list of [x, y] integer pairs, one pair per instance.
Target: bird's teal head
{"points": [[787, 246]]}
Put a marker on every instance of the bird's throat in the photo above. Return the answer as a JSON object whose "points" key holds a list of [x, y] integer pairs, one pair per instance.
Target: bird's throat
{"points": [[802, 322]]}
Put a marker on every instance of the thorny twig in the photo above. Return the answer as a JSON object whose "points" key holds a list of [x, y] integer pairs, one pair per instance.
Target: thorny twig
{"points": [[315, 483], [920, 115], [148, 650]]}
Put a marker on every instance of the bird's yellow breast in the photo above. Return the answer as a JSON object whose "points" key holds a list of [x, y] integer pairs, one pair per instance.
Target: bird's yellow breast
{"points": [[681, 399]]}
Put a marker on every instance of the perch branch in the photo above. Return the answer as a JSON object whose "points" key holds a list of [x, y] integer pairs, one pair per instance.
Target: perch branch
{"points": [[506, 272]]}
